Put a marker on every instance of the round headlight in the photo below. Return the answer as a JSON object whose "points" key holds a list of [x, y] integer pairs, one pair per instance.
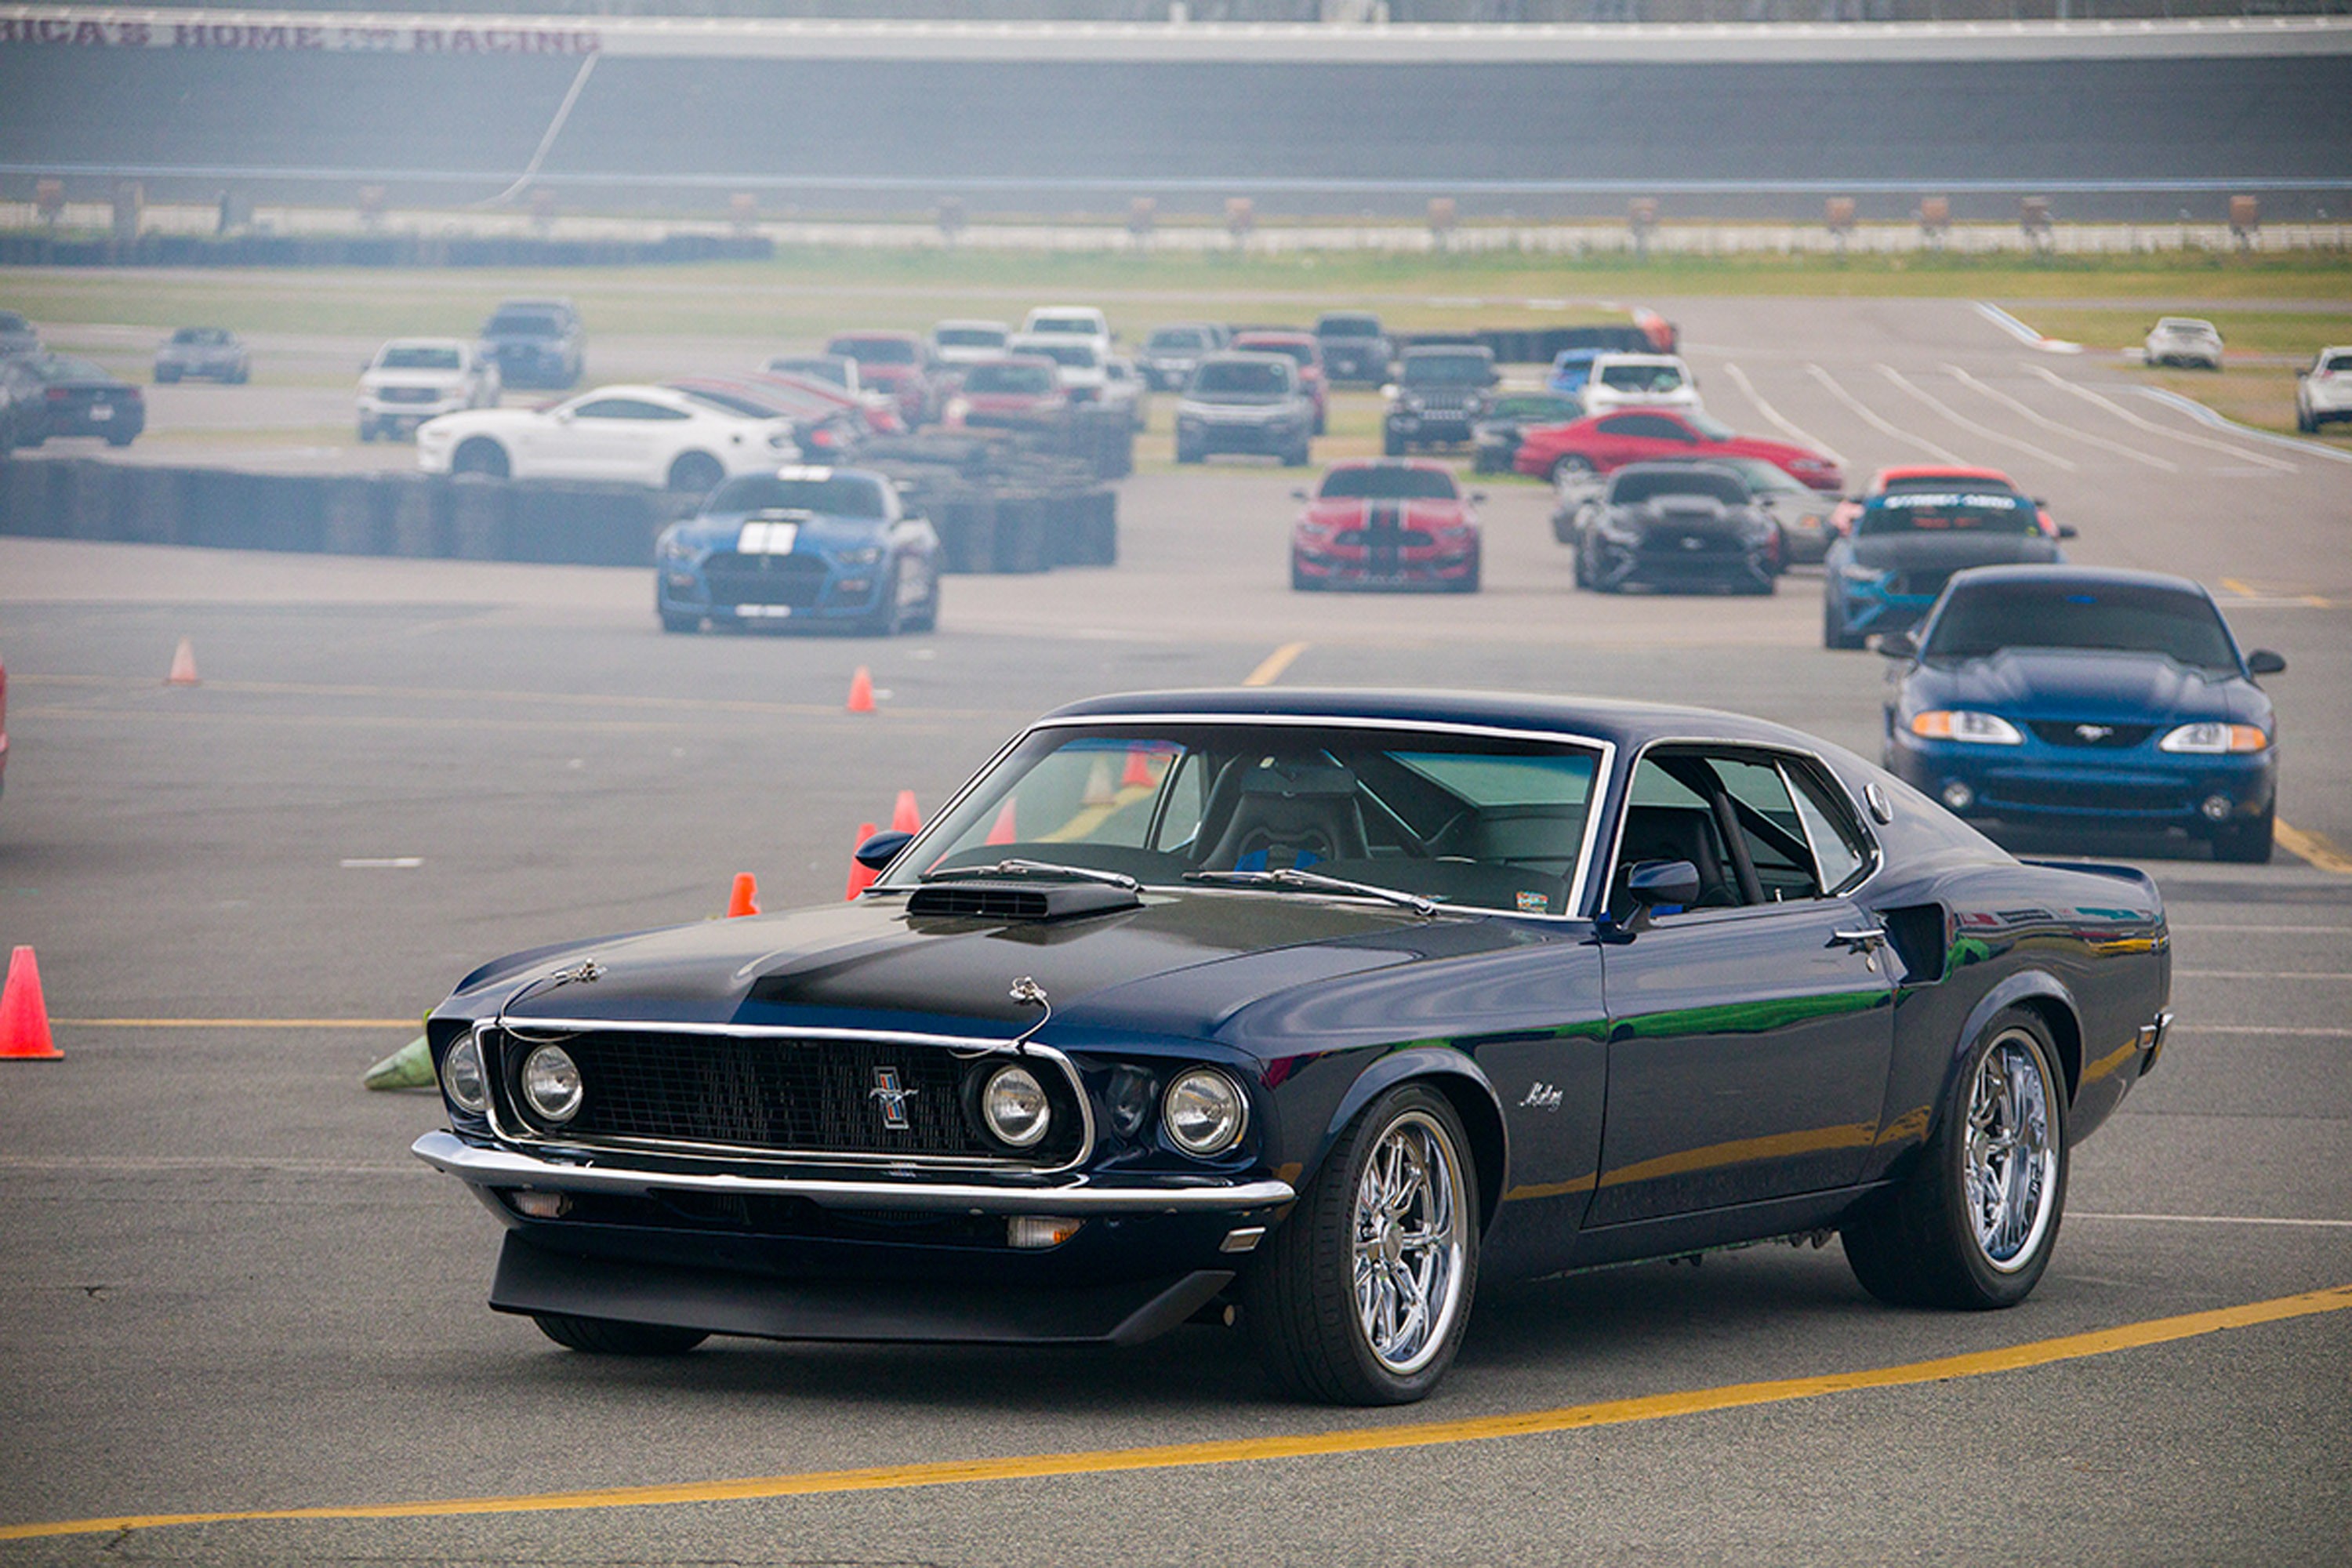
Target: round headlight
{"points": [[461, 1076], [551, 1083], [1014, 1105], [1205, 1112]]}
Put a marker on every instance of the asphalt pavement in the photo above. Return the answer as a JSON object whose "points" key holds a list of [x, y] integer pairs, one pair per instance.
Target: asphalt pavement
{"points": [[227, 1290]]}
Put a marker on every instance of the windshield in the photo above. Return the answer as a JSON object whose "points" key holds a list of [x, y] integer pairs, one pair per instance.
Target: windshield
{"points": [[1978, 621], [1714, 429], [64, 367], [2337, 365], [1477, 822], [1759, 475], [874, 351], [1076, 356], [1950, 511], [838, 495], [1540, 407], [2183, 324], [970, 337], [1641, 377], [1447, 370], [1176, 340], [524, 324], [1348, 327], [1384, 483], [198, 335], [824, 367], [1085, 325], [1241, 378], [419, 358], [1029, 378], [1631, 488], [1302, 353]]}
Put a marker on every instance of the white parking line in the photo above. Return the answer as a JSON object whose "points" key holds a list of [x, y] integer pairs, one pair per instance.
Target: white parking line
{"points": [[2169, 434], [2220, 421], [1869, 416], [2215, 1219], [1786, 427], [1964, 423], [2028, 411]]}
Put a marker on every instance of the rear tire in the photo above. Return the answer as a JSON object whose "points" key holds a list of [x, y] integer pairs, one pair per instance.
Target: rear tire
{"points": [[887, 620], [673, 622], [1833, 628], [604, 1336], [1571, 464], [1362, 1296], [1974, 1225], [1296, 458], [367, 431], [696, 474], [1392, 446]]}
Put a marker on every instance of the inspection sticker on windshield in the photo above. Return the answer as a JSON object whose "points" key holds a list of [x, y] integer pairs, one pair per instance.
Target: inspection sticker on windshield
{"points": [[767, 538], [1533, 904]]}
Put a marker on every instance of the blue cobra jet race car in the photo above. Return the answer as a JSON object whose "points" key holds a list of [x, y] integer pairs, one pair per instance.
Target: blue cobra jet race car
{"points": [[829, 545], [1884, 573]]}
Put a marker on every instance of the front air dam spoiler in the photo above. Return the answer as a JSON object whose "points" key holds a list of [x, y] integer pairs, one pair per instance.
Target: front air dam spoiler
{"points": [[531, 1279]]}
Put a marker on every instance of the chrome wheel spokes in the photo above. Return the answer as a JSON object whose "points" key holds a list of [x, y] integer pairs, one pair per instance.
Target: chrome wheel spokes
{"points": [[2010, 1171], [1408, 1242]]}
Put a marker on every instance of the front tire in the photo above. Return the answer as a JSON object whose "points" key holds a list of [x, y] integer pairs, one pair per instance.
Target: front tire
{"points": [[1833, 628], [2246, 843], [1974, 1225], [604, 1336], [1572, 463], [1362, 1295], [480, 457]]}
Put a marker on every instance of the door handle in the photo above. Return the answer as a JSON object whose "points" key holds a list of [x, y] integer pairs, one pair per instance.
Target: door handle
{"points": [[1861, 940]]}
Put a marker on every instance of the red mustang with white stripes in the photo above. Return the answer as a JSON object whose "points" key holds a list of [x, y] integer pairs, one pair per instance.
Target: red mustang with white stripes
{"points": [[1387, 523]]}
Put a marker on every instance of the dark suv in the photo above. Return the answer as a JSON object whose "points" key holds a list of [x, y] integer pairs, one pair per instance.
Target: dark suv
{"points": [[536, 343], [1355, 351], [1440, 391]]}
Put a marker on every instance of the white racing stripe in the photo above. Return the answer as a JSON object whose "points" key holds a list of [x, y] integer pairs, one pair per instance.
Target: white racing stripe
{"points": [[2028, 411], [1786, 426], [1869, 416], [1964, 423], [2129, 418]]}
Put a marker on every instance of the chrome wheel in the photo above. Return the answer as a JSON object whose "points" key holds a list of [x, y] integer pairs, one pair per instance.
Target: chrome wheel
{"points": [[1408, 1231], [2009, 1163]]}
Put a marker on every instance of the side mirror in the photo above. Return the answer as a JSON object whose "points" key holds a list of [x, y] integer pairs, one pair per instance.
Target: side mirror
{"points": [[1298, 495], [1898, 645], [1478, 498], [2263, 661], [876, 853], [1656, 884], [2068, 531]]}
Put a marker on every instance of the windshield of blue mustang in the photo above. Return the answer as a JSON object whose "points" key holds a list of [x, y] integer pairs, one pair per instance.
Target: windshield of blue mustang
{"points": [[1472, 821], [2107, 617]]}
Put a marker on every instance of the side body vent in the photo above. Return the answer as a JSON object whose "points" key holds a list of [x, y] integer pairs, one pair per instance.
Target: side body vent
{"points": [[1018, 900], [1918, 936]]}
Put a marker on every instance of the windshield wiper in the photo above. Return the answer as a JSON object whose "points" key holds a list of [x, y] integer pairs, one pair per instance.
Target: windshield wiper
{"points": [[1037, 868], [1291, 877]]}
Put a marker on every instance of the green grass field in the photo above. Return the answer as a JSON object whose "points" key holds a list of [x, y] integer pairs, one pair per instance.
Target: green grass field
{"points": [[805, 292]]}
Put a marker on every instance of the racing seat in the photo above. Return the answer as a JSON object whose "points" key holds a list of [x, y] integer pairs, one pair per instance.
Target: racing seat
{"points": [[1672, 833], [1285, 813]]}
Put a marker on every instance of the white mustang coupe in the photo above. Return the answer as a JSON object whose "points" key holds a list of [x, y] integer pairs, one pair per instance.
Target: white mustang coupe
{"points": [[635, 435]]}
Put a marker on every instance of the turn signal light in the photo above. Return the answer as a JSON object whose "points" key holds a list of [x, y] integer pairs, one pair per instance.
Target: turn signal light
{"points": [[2214, 738], [1964, 725]]}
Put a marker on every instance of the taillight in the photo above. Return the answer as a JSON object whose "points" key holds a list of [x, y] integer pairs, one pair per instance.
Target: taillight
{"points": [[58, 395]]}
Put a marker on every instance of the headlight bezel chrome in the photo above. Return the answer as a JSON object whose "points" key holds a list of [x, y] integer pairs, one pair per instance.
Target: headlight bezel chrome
{"points": [[463, 1080], [1177, 1107]]}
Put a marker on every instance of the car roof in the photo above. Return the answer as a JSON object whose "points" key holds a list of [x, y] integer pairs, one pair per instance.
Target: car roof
{"points": [[1938, 471], [460, 345], [874, 335], [1601, 718], [1431, 463], [1273, 335], [978, 321], [1414, 350]]}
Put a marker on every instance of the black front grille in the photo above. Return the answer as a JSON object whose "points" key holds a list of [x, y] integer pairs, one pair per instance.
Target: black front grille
{"points": [[2105, 737], [1918, 584], [1398, 539], [790, 1095], [2088, 796], [408, 395], [795, 581]]}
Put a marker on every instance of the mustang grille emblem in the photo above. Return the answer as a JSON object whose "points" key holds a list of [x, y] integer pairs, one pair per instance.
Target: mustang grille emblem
{"points": [[2093, 734], [893, 1096]]}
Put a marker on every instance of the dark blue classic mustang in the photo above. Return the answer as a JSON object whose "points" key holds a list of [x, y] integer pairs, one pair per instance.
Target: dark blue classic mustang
{"points": [[1302, 1010]]}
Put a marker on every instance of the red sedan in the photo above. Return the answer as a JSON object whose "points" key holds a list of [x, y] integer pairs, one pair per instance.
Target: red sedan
{"points": [[896, 362], [1012, 392], [1606, 442], [1931, 477], [1386, 523], [1307, 349]]}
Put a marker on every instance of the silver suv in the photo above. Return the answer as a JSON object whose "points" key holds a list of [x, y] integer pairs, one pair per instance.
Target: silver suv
{"points": [[1246, 403]]}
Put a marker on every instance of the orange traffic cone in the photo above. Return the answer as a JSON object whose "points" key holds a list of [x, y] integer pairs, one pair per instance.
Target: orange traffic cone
{"points": [[184, 665], [905, 816], [1003, 832], [1139, 770], [861, 691], [745, 898], [24, 1016], [861, 875]]}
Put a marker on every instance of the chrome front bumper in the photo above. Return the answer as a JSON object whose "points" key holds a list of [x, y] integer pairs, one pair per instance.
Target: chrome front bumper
{"points": [[1074, 1196]]}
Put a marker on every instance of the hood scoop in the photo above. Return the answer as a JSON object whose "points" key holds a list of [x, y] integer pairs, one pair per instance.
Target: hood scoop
{"points": [[1010, 900]]}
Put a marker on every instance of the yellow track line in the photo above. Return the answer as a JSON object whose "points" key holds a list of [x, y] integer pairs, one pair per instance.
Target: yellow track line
{"points": [[239, 1023], [1270, 670], [2315, 848], [1416, 1434]]}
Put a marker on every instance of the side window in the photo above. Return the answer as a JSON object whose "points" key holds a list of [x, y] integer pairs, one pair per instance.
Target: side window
{"points": [[1183, 796], [1625, 425], [1665, 819], [1769, 829], [1839, 845]]}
